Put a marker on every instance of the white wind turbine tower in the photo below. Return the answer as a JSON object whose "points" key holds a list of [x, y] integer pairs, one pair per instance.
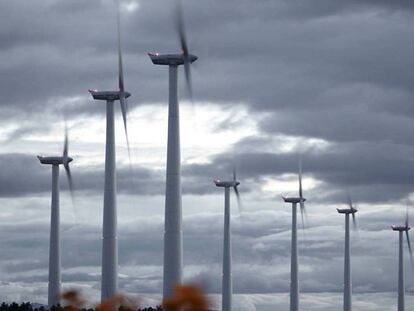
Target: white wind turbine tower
{"points": [[347, 259], [109, 280], [294, 281], [54, 285], [173, 249], [401, 285], [227, 282]]}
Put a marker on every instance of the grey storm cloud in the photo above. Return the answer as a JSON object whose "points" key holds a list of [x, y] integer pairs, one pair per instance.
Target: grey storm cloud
{"points": [[362, 167], [75, 54], [23, 175], [366, 169]]}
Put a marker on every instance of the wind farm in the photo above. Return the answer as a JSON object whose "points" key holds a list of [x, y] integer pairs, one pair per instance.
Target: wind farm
{"points": [[310, 100]]}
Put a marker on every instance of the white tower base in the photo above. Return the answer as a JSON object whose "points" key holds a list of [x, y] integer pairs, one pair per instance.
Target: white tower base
{"points": [[227, 285], [347, 268], [294, 282], [173, 235], [109, 285], [54, 286], [401, 283]]}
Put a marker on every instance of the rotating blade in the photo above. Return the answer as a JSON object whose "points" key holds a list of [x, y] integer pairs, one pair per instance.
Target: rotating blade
{"points": [[301, 202], [349, 199], [300, 180], [354, 223], [65, 145], [70, 180], [239, 202], [124, 109], [184, 48], [67, 169], [181, 29], [409, 248], [187, 69], [120, 67], [406, 217], [303, 214], [122, 99]]}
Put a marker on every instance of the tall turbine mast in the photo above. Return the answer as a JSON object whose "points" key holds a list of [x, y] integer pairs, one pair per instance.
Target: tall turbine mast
{"points": [[347, 261], [294, 280], [54, 285], [173, 249], [227, 282], [401, 284], [109, 280]]}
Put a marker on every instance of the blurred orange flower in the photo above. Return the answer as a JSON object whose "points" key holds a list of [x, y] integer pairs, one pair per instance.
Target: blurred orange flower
{"points": [[73, 300], [186, 298]]}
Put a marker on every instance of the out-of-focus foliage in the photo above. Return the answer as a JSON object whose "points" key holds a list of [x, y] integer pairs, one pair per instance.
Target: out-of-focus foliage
{"points": [[187, 298]]}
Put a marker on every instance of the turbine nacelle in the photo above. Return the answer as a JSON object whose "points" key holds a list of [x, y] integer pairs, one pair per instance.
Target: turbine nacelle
{"points": [[171, 59], [347, 210], [400, 228], [109, 95], [54, 160], [293, 199], [226, 184]]}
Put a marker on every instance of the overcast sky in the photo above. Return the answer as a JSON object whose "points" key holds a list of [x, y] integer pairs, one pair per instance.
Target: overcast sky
{"points": [[330, 80]]}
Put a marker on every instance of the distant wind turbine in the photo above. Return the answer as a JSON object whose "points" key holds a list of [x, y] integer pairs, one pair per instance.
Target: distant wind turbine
{"points": [[109, 281], [173, 236], [227, 283], [347, 262], [54, 286], [294, 281], [401, 285]]}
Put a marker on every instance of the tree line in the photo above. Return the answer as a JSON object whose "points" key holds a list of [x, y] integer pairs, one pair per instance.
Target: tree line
{"points": [[27, 306]]}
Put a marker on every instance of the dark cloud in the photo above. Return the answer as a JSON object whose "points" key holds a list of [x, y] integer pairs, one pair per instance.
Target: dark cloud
{"points": [[23, 175]]}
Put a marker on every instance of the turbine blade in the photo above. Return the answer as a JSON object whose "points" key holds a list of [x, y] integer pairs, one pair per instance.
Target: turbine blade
{"points": [[122, 99], [303, 214], [187, 69], [239, 203], [301, 202], [70, 181], [406, 217], [184, 48], [120, 67], [66, 144], [234, 172], [67, 169], [300, 179], [71, 191], [349, 200], [409, 248], [181, 28], [354, 224], [124, 109]]}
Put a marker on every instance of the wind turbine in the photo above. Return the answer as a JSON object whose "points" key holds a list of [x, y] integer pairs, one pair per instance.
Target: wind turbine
{"points": [[109, 281], [294, 281], [227, 283], [401, 286], [54, 286], [347, 262], [173, 236]]}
